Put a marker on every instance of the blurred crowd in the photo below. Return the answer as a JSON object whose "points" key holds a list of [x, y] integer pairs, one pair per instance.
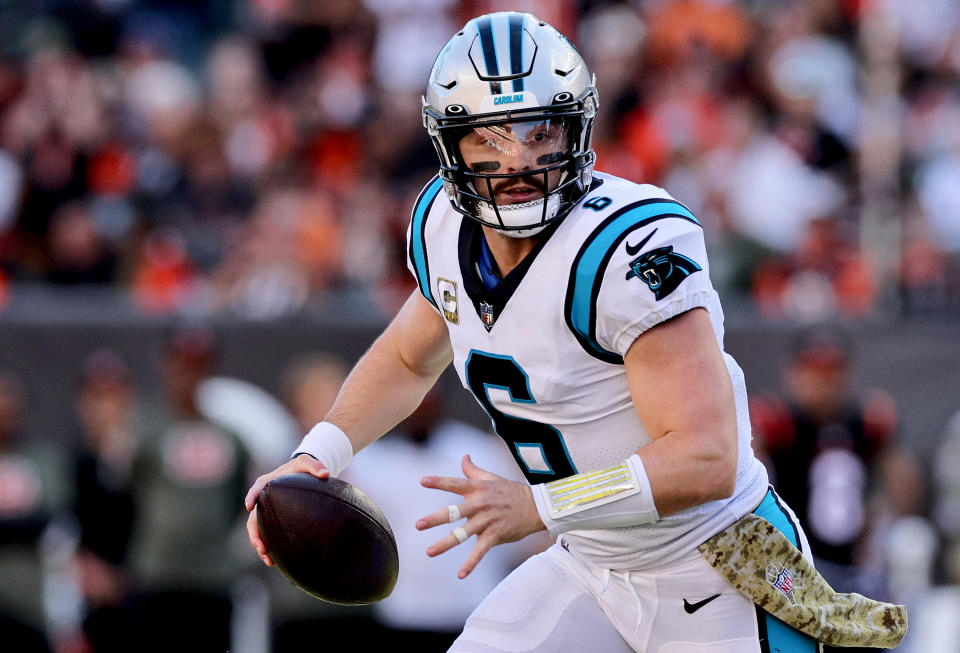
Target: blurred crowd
{"points": [[249, 157]]}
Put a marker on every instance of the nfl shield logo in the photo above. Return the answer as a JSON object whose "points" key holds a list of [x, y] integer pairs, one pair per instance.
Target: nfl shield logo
{"points": [[486, 314], [784, 581]]}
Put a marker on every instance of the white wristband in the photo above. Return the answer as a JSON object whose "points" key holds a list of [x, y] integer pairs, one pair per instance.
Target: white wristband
{"points": [[328, 444], [613, 497]]}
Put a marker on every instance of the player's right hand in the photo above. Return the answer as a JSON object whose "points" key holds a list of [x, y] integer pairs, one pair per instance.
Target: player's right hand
{"points": [[498, 510], [302, 463]]}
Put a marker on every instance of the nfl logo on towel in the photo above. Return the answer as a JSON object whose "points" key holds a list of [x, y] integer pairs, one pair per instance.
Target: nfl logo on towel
{"points": [[783, 580]]}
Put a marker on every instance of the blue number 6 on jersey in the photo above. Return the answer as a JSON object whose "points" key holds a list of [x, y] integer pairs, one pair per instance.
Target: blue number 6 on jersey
{"points": [[538, 448]]}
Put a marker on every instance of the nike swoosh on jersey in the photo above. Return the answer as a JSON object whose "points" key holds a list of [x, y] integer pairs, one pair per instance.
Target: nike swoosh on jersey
{"points": [[690, 608], [633, 250]]}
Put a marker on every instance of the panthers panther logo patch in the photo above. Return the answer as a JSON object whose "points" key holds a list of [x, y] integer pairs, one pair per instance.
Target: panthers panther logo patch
{"points": [[662, 270]]}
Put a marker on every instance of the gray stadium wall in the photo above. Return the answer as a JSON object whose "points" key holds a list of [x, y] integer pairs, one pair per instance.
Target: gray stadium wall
{"points": [[917, 362]]}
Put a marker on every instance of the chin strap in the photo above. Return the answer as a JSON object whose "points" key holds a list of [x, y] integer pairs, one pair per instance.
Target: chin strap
{"points": [[519, 214], [522, 214]]}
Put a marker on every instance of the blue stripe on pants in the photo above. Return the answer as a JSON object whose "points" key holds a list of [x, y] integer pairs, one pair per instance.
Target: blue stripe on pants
{"points": [[781, 638]]}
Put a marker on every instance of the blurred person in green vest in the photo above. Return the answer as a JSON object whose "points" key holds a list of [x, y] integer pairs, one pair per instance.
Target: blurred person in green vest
{"points": [[185, 480]]}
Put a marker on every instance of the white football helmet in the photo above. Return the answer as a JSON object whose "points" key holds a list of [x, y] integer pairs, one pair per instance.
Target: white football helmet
{"points": [[516, 85]]}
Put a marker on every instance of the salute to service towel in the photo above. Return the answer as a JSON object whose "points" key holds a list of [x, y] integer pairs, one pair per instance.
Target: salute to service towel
{"points": [[767, 568]]}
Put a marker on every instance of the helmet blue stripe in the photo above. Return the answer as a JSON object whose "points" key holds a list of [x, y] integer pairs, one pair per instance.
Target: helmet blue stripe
{"points": [[489, 48], [516, 51]]}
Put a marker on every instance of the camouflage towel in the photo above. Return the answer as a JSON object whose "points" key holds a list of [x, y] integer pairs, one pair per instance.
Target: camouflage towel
{"points": [[765, 566]]}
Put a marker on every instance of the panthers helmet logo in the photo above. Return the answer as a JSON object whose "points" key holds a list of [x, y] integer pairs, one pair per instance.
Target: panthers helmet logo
{"points": [[662, 270]]}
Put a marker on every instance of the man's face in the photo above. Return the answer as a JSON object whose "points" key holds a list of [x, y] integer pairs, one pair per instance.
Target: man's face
{"points": [[515, 147], [105, 404], [817, 380]]}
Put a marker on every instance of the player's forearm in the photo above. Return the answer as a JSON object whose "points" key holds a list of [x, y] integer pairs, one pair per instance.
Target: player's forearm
{"points": [[691, 415], [690, 469], [392, 377], [380, 392], [661, 479]]}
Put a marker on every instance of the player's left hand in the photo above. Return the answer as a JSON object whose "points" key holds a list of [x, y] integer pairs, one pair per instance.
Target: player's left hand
{"points": [[497, 511]]}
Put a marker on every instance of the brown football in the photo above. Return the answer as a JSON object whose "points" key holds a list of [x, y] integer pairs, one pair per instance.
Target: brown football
{"points": [[328, 538]]}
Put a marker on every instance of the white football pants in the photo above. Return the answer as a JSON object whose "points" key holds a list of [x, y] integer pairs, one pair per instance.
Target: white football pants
{"points": [[556, 602]]}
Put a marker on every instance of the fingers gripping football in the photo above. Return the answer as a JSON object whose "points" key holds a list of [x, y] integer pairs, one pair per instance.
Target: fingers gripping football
{"points": [[302, 463], [497, 510]]}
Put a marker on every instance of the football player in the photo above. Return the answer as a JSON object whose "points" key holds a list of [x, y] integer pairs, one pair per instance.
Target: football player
{"points": [[578, 310]]}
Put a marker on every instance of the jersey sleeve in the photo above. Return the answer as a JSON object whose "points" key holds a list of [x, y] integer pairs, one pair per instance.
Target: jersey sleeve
{"points": [[642, 266], [418, 261], [640, 289]]}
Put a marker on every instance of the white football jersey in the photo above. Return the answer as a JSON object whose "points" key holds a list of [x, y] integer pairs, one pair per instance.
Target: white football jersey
{"points": [[542, 352]]}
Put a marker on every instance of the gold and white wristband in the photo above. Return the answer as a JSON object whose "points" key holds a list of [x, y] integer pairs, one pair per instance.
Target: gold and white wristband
{"points": [[613, 497], [329, 444]]}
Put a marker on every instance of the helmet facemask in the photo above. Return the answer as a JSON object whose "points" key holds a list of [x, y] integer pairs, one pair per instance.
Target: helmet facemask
{"points": [[516, 171]]}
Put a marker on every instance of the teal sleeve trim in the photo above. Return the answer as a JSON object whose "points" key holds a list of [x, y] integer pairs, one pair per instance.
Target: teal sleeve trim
{"points": [[588, 267], [418, 249]]}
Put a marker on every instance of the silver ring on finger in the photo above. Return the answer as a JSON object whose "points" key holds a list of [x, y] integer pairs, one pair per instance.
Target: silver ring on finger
{"points": [[460, 534], [453, 511]]}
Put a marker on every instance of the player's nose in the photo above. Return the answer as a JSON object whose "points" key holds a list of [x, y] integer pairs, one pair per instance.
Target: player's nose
{"points": [[519, 164], [519, 161]]}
